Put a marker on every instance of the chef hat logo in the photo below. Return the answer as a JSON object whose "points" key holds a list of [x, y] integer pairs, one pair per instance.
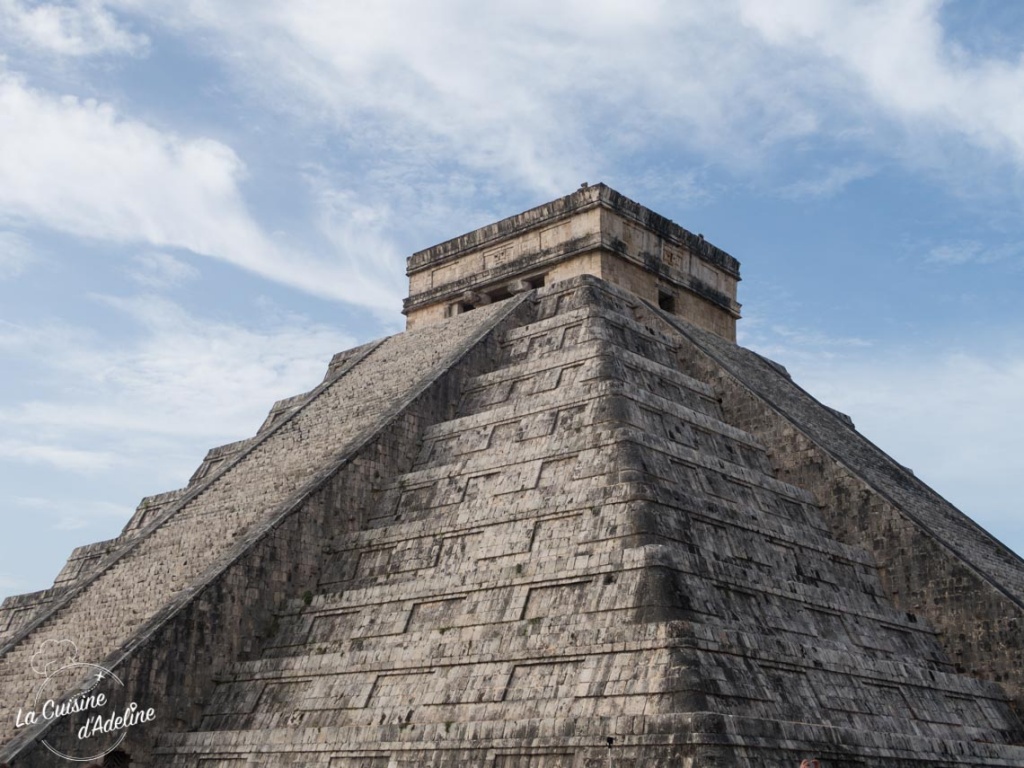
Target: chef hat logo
{"points": [[53, 655]]}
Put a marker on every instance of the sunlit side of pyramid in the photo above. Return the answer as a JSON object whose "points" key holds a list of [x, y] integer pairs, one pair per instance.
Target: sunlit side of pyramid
{"points": [[563, 507]]}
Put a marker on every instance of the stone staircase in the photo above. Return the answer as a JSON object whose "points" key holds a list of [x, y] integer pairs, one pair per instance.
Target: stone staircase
{"points": [[116, 605]]}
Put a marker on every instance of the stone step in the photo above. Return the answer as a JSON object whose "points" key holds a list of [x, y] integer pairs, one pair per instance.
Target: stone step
{"points": [[596, 632], [456, 744], [598, 455], [618, 708], [584, 406], [545, 549], [473, 518], [593, 345], [543, 373], [536, 340], [868, 623]]}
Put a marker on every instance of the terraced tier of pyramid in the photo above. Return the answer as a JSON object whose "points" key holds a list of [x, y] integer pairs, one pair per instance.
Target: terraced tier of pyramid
{"points": [[507, 537]]}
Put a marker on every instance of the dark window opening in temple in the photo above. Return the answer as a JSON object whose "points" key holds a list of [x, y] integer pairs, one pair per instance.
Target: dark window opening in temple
{"points": [[500, 294], [667, 301]]}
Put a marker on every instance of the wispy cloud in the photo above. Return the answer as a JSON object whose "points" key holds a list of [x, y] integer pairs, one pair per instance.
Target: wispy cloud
{"points": [[183, 385], [541, 108], [796, 344], [79, 167], [72, 516], [22, 339], [829, 183], [544, 105], [159, 270], [68, 29], [972, 252], [955, 253], [60, 457], [905, 67], [16, 255], [360, 228], [686, 186]]}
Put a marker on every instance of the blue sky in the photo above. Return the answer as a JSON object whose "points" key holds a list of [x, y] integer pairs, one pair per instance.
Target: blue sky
{"points": [[201, 201]]}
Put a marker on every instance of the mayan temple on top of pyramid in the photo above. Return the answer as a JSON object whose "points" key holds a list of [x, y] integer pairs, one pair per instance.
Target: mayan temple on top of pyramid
{"points": [[563, 521]]}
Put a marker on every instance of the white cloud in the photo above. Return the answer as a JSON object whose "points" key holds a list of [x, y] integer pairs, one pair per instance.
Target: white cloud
{"points": [[961, 252], [65, 515], [72, 459], [18, 340], [16, 255], [68, 29], [830, 183], [900, 57], [955, 253], [184, 378], [529, 89], [801, 345], [549, 94], [110, 418], [361, 230], [162, 270], [79, 167]]}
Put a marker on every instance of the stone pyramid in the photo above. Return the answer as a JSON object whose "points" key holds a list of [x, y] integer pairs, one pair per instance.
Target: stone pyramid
{"points": [[562, 521]]}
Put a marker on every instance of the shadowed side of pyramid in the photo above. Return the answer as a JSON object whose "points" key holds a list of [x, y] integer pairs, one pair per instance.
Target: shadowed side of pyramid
{"points": [[934, 561]]}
